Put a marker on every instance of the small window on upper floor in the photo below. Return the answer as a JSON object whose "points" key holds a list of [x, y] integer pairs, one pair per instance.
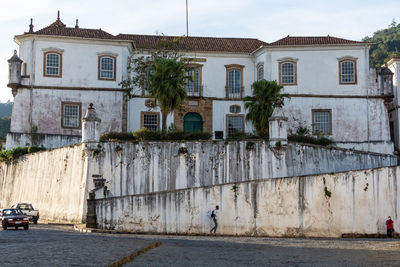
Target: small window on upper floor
{"points": [[106, 68], [193, 86], [260, 72], [288, 72], [348, 71], [52, 66]]}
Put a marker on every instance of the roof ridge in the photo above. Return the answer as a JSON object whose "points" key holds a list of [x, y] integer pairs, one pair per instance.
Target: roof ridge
{"points": [[211, 37]]}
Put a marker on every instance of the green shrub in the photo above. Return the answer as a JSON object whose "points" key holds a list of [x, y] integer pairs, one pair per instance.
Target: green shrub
{"points": [[322, 141], [13, 154], [247, 136], [114, 136], [145, 134]]}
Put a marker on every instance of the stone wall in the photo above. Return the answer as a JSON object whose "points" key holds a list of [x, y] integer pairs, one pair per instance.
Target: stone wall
{"points": [[148, 167], [313, 206], [53, 181], [45, 140]]}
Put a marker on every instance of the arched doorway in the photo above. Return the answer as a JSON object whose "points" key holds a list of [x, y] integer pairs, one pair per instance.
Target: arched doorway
{"points": [[192, 122]]}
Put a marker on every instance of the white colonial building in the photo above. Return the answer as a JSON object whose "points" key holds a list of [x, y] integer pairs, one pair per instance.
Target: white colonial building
{"points": [[333, 91]]}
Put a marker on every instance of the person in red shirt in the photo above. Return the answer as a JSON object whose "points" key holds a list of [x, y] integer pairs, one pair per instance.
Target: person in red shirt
{"points": [[389, 227]]}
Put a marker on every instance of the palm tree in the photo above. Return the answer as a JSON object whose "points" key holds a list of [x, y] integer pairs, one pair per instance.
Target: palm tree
{"points": [[266, 94], [167, 85]]}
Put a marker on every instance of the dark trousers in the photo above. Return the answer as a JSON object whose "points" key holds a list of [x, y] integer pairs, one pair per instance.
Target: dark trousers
{"points": [[215, 225], [389, 232]]}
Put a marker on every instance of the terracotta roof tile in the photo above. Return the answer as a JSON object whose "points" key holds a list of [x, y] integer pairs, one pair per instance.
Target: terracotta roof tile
{"points": [[203, 44], [314, 40], [59, 29]]}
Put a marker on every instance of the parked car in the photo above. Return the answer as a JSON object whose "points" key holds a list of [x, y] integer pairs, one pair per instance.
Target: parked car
{"points": [[28, 210], [13, 218]]}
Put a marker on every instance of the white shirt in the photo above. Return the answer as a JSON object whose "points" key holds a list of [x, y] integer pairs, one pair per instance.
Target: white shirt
{"points": [[215, 212]]}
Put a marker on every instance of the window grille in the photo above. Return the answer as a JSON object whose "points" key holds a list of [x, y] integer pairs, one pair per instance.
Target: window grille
{"points": [[71, 115]]}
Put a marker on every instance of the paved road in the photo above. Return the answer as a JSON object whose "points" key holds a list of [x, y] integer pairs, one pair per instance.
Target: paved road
{"points": [[46, 245]]}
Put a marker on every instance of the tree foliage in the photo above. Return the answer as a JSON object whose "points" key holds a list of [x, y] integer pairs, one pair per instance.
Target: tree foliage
{"points": [[167, 85], [162, 74], [259, 106], [386, 44]]}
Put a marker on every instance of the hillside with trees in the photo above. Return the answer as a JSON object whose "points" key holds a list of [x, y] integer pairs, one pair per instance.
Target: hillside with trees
{"points": [[5, 118], [386, 44]]}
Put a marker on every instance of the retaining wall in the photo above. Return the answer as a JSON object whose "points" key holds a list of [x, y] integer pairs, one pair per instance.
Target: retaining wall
{"points": [[314, 206], [53, 181], [148, 167]]}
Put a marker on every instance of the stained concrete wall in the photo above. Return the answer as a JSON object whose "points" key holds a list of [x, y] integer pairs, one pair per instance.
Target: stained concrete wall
{"points": [[147, 167], [53, 181], [45, 140], [314, 206]]}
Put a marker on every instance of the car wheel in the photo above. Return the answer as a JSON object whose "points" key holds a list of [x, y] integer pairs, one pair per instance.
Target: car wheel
{"points": [[4, 227], [26, 227], [35, 222]]}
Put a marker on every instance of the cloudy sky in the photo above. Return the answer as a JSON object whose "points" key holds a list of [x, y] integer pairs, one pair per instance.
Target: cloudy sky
{"points": [[268, 20]]}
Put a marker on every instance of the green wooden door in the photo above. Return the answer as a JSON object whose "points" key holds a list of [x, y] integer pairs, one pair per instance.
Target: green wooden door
{"points": [[192, 122]]}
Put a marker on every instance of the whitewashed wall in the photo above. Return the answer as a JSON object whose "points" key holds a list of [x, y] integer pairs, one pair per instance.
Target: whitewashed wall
{"points": [[43, 108], [221, 109], [355, 121], [318, 69], [158, 166], [135, 107], [326, 205], [79, 61], [53, 181]]}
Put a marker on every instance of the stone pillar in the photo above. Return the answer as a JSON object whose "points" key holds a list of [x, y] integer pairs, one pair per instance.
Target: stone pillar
{"points": [[278, 127], [91, 217], [14, 73], [90, 129]]}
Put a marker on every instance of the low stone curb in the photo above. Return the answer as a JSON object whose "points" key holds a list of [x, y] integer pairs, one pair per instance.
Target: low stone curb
{"points": [[83, 229]]}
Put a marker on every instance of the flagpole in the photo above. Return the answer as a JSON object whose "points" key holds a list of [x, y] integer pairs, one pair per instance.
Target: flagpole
{"points": [[187, 21]]}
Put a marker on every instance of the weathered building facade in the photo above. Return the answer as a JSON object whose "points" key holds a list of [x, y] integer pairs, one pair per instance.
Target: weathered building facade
{"points": [[333, 91]]}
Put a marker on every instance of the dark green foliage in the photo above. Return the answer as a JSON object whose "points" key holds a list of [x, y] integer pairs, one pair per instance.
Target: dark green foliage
{"points": [[163, 73], [147, 135], [5, 123], [5, 118], [301, 130], [250, 145], [114, 136], [13, 154], [6, 109], [386, 44], [322, 141], [247, 136], [260, 106], [183, 150]]}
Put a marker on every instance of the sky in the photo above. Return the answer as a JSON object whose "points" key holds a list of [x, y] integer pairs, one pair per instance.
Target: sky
{"points": [[267, 20]]}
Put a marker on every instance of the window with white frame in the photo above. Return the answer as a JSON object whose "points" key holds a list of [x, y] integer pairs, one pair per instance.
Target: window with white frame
{"points": [[151, 120], [71, 115], [287, 73], [322, 122], [193, 86], [106, 68], [52, 64], [235, 124], [234, 83], [260, 72], [347, 68]]}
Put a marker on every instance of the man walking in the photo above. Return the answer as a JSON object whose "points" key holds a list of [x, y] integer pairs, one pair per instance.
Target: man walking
{"points": [[214, 217], [389, 227]]}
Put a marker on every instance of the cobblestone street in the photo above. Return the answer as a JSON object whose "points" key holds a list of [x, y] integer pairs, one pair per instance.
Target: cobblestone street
{"points": [[49, 245]]}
